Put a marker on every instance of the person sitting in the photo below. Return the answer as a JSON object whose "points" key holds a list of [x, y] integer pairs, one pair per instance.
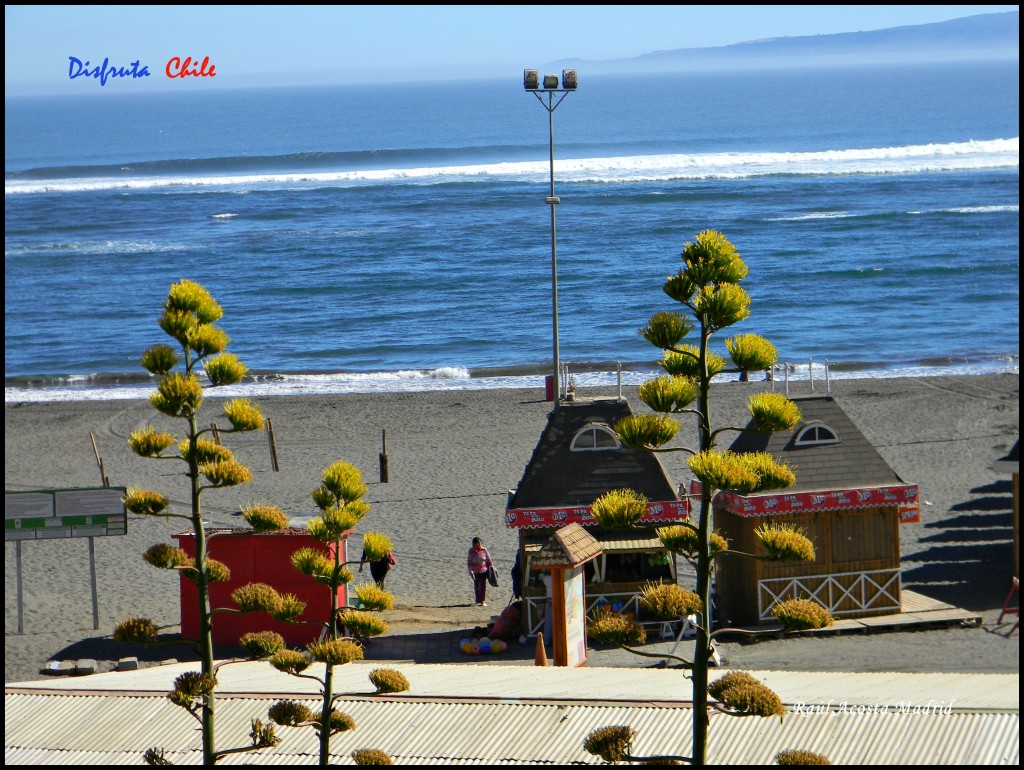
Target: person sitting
{"points": [[506, 627]]}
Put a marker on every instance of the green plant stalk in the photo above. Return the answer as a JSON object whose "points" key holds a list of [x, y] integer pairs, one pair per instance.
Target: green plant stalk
{"points": [[325, 713], [702, 644], [203, 592]]}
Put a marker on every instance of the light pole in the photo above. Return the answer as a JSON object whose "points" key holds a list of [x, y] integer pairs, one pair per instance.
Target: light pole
{"points": [[549, 88]]}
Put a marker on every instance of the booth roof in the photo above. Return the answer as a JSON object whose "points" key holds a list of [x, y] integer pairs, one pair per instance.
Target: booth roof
{"points": [[557, 477], [853, 463], [569, 546]]}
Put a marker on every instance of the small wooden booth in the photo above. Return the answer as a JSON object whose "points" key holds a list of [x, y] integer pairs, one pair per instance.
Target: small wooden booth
{"points": [[564, 555], [258, 558], [578, 459], [846, 498]]}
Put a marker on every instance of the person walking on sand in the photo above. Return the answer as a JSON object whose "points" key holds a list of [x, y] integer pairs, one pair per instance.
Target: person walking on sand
{"points": [[478, 561], [378, 569]]}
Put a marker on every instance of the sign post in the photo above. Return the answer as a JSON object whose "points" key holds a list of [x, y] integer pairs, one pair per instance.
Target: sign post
{"points": [[59, 513]]}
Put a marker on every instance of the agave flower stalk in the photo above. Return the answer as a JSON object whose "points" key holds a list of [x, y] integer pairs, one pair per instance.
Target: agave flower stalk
{"points": [[339, 498], [189, 313], [708, 287]]}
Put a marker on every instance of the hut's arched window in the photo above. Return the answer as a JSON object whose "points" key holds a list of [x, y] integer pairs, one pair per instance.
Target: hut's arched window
{"points": [[816, 434], [594, 438]]}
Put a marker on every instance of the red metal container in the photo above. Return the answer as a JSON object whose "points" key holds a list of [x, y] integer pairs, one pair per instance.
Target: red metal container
{"points": [[258, 558]]}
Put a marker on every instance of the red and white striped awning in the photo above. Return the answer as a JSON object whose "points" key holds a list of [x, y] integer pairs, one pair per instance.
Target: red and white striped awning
{"points": [[904, 496], [526, 518]]}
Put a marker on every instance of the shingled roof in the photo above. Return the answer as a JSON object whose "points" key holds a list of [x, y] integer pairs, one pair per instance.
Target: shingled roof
{"points": [[852, 463], [555, 476], [570, 545]]}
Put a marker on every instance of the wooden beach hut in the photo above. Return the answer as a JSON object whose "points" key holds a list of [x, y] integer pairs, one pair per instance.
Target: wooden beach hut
{"points": [[577, 459], [846, 498]]}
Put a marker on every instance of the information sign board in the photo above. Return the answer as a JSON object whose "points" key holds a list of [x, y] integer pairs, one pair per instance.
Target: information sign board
{"points": [[58, 513]]}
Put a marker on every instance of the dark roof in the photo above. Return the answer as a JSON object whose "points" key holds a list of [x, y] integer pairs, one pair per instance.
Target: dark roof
{"points": [[557, 477], [851, 464]]}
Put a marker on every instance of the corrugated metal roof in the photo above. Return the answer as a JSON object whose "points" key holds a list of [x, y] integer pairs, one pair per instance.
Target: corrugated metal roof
{"points": [[108, 730], [469, 714]]}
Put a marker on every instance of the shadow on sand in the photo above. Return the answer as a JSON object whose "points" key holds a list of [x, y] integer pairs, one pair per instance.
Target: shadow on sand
{"points": [[970, 564]]}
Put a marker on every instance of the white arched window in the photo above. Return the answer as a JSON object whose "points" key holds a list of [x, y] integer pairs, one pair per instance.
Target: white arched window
{"points": [[594, 438], [816, 434]]}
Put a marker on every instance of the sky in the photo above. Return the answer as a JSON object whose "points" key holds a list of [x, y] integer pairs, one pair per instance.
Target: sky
{"points": [[310, 45]]}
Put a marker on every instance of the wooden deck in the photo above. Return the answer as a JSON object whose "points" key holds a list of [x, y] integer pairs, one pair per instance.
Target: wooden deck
{"points": [[917, 611]]}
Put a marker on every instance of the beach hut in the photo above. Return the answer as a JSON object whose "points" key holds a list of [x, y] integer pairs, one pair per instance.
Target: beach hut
{"points": [[263, 557], [846, 498], [577, 459]]}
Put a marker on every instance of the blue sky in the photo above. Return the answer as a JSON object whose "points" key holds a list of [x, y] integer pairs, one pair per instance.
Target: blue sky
{"points": [[306, 45]]}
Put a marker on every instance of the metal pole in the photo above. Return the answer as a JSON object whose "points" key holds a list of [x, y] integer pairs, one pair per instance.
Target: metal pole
{"points": [[810, 370], [552, 202], [92, 578]]}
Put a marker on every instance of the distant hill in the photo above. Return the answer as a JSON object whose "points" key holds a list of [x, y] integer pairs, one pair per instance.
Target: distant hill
{"points": [[987, 36]]}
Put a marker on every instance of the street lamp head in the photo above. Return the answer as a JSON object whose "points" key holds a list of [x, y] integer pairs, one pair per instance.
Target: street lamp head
{"points": [[531, 80], [569, 80], [550, 82]]}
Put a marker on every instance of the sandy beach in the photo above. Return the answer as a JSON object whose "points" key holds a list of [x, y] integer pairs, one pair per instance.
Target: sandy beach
{"points": [[453, 456]]}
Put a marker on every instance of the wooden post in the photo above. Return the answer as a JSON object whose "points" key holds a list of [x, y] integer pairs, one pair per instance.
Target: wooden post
{"points": [[273, 447], [21, 610], [99, 461], [384, 457], [216, 432]]}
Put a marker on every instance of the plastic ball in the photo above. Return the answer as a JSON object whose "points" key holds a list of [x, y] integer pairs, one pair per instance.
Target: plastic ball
{"points": [[499, 646], [467, 648], [476, 649], [485, 640]]}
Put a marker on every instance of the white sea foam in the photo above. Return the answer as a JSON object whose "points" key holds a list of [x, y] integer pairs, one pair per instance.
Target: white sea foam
{"points": [[458, 379], [956, 156]]}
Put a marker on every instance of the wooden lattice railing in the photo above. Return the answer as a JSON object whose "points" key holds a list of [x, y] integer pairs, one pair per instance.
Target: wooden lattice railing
{"points": [[846, 593]]}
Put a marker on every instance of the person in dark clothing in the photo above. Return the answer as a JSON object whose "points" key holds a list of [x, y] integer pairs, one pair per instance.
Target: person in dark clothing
{"points": [[517, 579], [378, 569]]}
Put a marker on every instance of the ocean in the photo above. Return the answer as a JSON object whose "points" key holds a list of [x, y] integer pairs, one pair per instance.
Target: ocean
{"points": [[396, 237]]}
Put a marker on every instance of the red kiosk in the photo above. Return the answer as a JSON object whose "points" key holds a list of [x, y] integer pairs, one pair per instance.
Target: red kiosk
{"points": [[258, 558]]}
